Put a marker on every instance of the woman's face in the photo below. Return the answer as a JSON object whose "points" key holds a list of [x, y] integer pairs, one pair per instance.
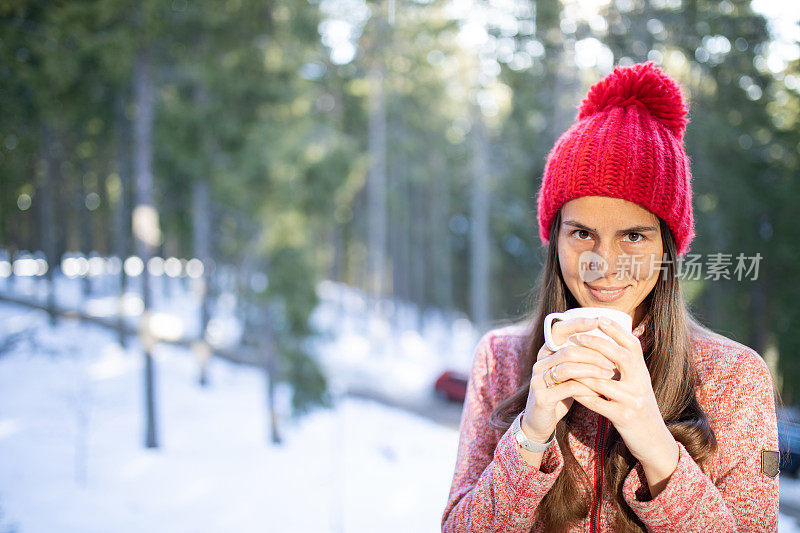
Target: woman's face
{"points": [[609, 243]]}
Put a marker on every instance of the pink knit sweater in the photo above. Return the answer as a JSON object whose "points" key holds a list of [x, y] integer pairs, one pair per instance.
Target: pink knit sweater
{"points": [[494, 489]]}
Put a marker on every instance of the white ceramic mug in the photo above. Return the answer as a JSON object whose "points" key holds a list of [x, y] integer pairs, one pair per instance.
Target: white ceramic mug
{"points": [[620, 317]]}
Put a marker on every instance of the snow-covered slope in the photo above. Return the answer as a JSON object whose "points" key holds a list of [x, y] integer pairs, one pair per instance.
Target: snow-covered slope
{"points": [[71, 427], [71, 454]]}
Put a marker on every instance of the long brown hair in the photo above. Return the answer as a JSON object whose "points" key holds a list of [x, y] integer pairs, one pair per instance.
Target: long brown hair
{"points": [[667, 349]]}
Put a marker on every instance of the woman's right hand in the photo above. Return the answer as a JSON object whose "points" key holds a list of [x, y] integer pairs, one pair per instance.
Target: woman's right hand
{"points": [[546, 406]]}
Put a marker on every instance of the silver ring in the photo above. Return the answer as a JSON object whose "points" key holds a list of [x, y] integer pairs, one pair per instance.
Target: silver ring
{"points": [[553, 376]]}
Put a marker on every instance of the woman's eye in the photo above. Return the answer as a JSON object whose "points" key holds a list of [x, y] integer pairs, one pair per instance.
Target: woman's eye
{"points": [[639, 235], [580, 232]]}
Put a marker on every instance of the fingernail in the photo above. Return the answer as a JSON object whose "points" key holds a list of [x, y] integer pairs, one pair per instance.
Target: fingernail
{"points": [[605, 321]]}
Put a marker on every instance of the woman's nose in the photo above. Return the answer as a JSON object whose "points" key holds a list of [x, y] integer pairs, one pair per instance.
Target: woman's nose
{"points": [[610, 252]]}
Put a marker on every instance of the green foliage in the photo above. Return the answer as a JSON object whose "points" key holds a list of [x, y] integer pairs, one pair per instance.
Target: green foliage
{"points": [[292, 297], [249, 101]]}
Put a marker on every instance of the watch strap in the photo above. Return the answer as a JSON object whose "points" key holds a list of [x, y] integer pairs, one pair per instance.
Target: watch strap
{"points": [[524, 441]]}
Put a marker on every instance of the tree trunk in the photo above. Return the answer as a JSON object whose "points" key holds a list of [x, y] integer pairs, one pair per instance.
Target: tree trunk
{"points": [[84, 226], [377, 183], [479, 227], [201, 208], [47, 211], [268, 351], [336, 266], [761, 312], [399, 229], [145, 217], [440, 251], [417, 247], [122, 213], [201, 227], [547, 17]]}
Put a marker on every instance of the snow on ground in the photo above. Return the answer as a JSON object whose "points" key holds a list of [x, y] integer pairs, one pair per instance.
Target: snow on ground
{"points": [[789, 489], [788, 524], [395, 348], [393, 351], [71, 426], [71, 454]]}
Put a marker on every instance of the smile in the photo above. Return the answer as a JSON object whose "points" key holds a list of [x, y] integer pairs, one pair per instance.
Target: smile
{"points": [[605, 295]]}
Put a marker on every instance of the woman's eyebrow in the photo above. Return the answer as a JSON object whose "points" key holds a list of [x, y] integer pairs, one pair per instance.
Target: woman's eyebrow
{"points": [[636, 229]]}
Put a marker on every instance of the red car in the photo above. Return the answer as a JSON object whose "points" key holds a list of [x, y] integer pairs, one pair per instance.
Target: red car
{"points": [[452, 386]]}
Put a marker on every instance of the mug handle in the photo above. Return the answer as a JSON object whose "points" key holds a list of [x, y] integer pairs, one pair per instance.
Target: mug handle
{"points": [[548, 327]]}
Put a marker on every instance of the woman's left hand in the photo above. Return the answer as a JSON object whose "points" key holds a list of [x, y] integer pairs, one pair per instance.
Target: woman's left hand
{"points": [[631, 405]]}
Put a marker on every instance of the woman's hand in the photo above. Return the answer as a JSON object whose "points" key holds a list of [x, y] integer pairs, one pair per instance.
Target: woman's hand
{"points": [[630, 403], [546, 406]]}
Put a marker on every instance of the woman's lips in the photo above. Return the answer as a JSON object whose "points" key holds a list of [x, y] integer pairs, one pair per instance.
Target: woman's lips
{"points": [[607, 296]]}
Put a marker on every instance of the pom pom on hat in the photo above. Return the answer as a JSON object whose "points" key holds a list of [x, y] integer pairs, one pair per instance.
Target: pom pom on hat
{"points": [[627, 142], [645, 85]]}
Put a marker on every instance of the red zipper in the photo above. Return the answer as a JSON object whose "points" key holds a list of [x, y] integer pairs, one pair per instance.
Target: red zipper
{"points": [[598, 468]]}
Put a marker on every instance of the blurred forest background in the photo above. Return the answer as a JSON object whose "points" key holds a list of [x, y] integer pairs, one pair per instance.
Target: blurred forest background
{"points": [[395, 146]]}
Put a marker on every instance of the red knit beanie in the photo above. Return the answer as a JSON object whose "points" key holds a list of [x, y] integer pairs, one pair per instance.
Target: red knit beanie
{"points": [[627, 142]]}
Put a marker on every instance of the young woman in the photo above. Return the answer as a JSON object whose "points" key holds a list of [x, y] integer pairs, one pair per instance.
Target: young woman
{"points": [[670, 428]]}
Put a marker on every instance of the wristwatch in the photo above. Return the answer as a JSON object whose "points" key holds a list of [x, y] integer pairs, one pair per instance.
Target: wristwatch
{"points": [[525, 442]]}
